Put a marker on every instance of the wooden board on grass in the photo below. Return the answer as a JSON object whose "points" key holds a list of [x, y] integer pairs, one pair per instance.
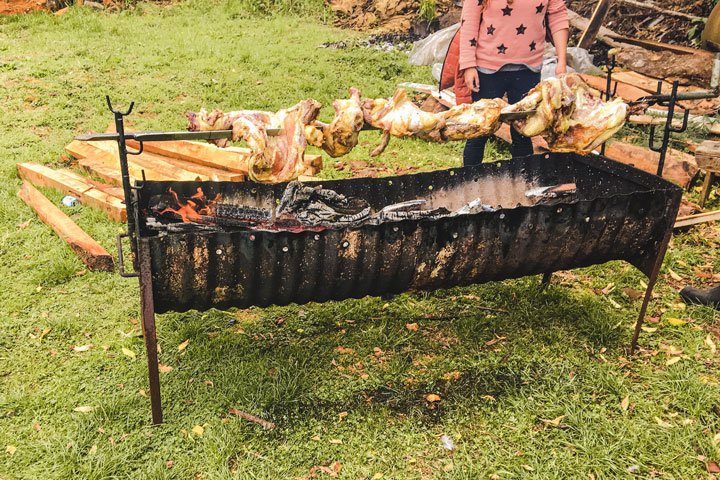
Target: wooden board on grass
{"points": [[200, 153], [155, 167], [89, 195], [90, 252]]}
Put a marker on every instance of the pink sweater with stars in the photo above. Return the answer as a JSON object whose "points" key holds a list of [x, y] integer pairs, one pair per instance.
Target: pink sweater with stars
{"points": [[494, 33]]}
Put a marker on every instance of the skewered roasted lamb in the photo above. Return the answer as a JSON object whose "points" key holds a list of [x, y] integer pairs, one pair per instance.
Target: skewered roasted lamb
{"points": [[399, 117], [570, 115], [273, 158], [341, 135], [472, 120]]}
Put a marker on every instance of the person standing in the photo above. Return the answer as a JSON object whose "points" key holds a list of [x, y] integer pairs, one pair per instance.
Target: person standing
{"points": [[501, 45]]}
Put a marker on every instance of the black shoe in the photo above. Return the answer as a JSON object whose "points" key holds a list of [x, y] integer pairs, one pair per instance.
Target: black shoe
{"points": [[710, 297]]}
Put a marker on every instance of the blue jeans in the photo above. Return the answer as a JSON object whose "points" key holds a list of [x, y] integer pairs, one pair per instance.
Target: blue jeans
{"points": [[494, 85]]}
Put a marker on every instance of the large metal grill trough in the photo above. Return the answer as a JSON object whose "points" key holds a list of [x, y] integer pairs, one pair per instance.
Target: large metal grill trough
{"points": [[617, 213]]}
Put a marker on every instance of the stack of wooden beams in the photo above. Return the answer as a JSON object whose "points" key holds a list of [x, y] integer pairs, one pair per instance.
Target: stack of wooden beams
{"points": [[179, 160]]}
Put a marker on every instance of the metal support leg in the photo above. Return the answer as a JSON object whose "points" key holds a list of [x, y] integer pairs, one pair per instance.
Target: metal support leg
{"points": [[149, 333], [648, 291]]}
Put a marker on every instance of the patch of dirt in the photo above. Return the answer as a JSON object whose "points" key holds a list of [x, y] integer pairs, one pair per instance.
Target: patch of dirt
{"points": [[393, 16], [14, 7], [637, 22]]}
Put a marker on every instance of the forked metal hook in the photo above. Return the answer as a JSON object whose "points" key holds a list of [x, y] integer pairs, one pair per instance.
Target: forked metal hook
{"points": [[118, 112]]}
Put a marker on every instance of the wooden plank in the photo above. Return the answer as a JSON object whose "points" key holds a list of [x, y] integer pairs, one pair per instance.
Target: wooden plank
{"points": [[90, 252], [105, 165], [211, 173], [649, 84], [688, 220], [707, 155], [99, 169], [658, 46], [200, 153], [627, 92], [116, 192], [42, 176], [155, 168], [596, 20]]}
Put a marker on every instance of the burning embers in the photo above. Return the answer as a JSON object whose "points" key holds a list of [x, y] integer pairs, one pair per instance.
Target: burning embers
{"points": [[304, 207], [192, 209]]}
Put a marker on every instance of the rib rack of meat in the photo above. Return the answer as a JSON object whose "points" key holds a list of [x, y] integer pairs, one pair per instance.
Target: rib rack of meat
{"points": [[569, 114], [273, 158], [341, 135]]}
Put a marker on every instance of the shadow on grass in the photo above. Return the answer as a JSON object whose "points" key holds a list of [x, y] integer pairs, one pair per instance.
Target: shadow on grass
{"points": [[317, 360]]}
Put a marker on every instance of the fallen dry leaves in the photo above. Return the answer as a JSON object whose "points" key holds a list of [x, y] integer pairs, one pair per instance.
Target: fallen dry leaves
{"points": [[555, 422], [128, 353], [710, 344], [198, 430], [625, 403], [164, 368], [10, 449], [82, 348], [432, 397], [183, 345], [413, 327], [332, 471], [84, 409]]}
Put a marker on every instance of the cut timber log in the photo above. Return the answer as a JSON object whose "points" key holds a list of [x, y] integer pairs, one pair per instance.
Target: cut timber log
{"points": [[679, 167], [90, 252], [596, 20], [686, 69], [42, 176], [707, 155]]}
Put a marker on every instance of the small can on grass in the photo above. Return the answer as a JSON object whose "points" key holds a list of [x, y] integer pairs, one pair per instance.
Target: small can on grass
{"points": [[70, 201]]}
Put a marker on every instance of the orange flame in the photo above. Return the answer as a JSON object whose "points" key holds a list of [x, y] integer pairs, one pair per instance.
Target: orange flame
{"points": [[192, 210]]}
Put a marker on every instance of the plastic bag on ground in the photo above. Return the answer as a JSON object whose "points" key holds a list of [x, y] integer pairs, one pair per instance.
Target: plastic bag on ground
{"points": [[578, 60], [432, 49]]}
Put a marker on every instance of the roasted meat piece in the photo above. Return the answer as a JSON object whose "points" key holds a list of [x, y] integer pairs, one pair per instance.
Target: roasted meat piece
{"points": [[341, 135], [273, 158], [399, 117], [570, 115], [472, 120]]}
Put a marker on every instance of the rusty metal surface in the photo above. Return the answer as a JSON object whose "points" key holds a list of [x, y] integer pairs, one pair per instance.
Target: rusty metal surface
{"points": [[618, 213]]}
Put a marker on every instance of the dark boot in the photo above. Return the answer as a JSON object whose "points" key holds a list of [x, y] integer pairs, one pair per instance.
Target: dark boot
{"points": [[709, 297]]}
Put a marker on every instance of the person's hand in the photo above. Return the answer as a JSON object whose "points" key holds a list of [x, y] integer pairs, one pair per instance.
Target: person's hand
{"points": [[560, 68], [472, 79]]}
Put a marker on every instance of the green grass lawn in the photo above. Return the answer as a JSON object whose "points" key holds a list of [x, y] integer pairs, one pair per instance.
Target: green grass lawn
{"points": [[533, 384]]}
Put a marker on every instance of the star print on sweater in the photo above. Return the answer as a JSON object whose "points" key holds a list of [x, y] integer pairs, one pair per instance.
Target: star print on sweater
{"points": [[532, 20]]}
